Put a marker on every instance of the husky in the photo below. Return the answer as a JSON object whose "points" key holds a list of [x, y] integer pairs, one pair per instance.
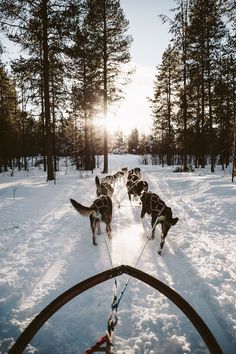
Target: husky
{"points": [[160, 213], [135, 171], [135, 187], [99, 211]]}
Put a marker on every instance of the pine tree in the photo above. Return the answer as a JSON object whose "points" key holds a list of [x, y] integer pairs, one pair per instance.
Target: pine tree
{"points": [[86, 86], [107, 27], [10, 118], [38, 28], [163, 102], [207, 31], [133, 142], [179, 29]]}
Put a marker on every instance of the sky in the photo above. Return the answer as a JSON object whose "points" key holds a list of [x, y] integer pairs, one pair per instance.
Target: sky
{"points": [[46, 248], [150, 39]]}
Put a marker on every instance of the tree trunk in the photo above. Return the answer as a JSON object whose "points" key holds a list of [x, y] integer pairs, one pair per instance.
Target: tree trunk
{"points": [[169, 152], [87, 148], [210, 103], [56, 168], [234, 130], [42, 111], [105, 167], [185, 115], [48, 147], [202, 113]]}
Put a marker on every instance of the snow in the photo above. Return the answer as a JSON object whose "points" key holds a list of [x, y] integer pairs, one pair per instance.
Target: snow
{"points": [[46, 248]]}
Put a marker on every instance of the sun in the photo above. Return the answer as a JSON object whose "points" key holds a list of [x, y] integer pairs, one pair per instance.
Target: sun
{"points": [[133, 112], [117, 122], [128, 117]]}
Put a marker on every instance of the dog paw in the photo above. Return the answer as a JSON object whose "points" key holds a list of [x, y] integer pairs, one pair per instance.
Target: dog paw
{"points": [[159, 252]]}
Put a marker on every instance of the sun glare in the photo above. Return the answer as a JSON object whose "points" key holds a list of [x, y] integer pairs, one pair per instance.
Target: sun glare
{"points": [[134, 111], [117, 123]]}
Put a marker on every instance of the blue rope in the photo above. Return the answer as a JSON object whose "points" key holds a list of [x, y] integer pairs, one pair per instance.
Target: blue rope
{"points": [[116, 302]]}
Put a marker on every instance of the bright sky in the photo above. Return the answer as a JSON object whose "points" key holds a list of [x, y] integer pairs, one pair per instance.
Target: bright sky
{"points": [[150, 39]]}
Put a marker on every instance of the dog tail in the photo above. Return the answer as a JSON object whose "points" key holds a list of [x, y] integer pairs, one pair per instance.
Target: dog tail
{"points": [[83, 210], [174, 221]]}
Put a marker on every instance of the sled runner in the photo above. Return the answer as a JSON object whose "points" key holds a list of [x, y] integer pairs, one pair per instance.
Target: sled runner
{"points": [[68, 295]]}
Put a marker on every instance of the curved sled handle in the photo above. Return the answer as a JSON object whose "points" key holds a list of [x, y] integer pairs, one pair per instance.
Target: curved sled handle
{"points": [[68, 295]]}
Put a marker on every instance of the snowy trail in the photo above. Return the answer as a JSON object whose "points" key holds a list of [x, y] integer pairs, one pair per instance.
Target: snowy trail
{"points": [[185, 275], [188, 275], [51, 249]]}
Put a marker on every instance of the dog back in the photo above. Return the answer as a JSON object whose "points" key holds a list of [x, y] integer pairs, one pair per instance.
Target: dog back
{"points": [[152, 203]]}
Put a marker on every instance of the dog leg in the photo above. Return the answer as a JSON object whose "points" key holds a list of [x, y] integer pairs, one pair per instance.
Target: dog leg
{"points": [[164, 228], [94, 230], [99, 228], [93, 225], [161, 245], [94, 234], [143, 212], [129, 196], [94, 240], [108, 229], [154, 223], [142, 220]]}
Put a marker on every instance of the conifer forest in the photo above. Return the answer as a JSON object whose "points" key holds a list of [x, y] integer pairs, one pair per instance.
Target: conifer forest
{"points": [[73, 65]]}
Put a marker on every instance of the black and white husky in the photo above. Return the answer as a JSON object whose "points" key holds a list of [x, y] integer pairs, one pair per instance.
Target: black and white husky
{"points": [[99, 211], [160, 213]]}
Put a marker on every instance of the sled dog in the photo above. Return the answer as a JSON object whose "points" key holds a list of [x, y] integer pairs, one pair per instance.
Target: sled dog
{"points": [[160, 213], [99, 211], [103, 188]]}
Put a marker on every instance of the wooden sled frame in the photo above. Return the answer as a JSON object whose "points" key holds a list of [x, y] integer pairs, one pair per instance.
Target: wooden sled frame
{"points": [[77, 289]]}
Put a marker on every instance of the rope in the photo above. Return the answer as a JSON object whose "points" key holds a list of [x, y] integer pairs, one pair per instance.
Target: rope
{"points": [[109, 254], [141, 252], [113, 318], [115, 304], [108, 249]]}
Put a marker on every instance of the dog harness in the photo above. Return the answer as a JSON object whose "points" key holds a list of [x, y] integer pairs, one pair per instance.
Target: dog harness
{"points": [[156, 204], [101, 202]]}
